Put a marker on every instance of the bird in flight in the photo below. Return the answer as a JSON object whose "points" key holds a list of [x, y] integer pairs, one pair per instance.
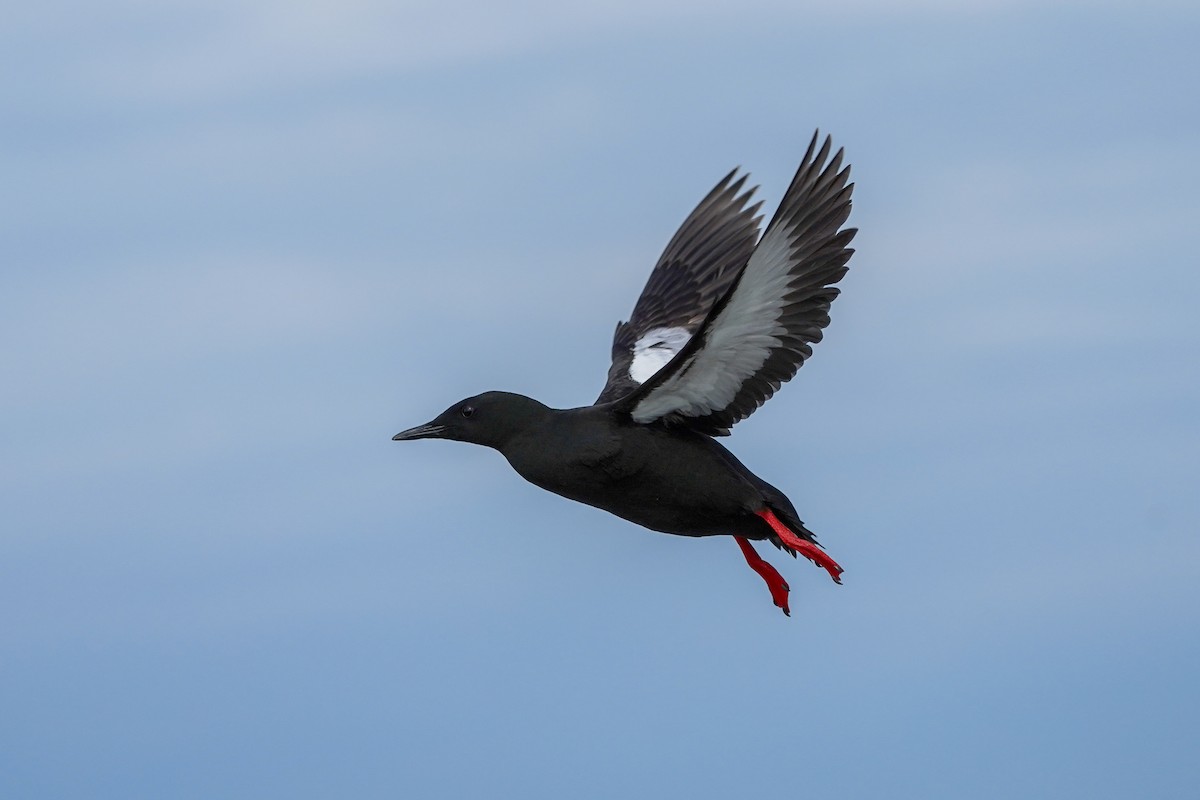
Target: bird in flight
{"points": [[724, 320]]}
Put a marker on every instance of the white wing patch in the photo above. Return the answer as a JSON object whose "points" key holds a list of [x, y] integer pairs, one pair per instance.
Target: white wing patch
{"points": [[652, 352], [740, 339]]}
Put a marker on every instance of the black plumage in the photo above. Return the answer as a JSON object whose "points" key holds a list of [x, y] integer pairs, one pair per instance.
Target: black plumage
{"points": [[722, 322]]}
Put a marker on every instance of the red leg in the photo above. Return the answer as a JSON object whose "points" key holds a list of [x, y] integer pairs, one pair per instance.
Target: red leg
{"points": [[775, 581], [802, 546]]}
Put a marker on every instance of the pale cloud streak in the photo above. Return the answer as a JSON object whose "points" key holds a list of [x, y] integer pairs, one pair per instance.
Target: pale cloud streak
{"points": [[207, 51]]}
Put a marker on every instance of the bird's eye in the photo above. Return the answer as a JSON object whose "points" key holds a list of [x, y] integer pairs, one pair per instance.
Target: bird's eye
{"points": [[467, 411]]}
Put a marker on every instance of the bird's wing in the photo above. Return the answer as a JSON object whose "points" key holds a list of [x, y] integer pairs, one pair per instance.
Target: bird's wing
{"points": [[760, 332], [698, 266]]}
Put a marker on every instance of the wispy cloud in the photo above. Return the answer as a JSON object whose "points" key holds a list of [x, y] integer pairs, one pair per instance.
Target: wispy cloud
{"points": [[211, 50]]}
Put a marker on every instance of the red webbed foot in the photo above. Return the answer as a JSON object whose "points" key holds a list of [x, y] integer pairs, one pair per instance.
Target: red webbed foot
{"points": [[775, 582], [802, 546]]}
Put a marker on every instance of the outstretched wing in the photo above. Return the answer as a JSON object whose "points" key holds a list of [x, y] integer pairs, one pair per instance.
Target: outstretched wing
{"points": [[760, 332], [698, 266]]}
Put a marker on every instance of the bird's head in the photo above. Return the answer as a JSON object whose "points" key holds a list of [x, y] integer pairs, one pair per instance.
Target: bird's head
{"points": [[491, 419]]}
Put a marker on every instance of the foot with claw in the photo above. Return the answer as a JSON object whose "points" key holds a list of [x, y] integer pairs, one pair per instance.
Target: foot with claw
{"points": [[802, 546], [775, 582]]}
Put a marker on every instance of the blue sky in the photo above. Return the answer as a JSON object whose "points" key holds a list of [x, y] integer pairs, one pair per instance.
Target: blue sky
{"points": [[245, 243]]}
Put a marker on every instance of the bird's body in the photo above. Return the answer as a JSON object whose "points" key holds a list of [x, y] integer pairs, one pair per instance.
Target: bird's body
{"points": [[724, 320], [673, 482]]}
